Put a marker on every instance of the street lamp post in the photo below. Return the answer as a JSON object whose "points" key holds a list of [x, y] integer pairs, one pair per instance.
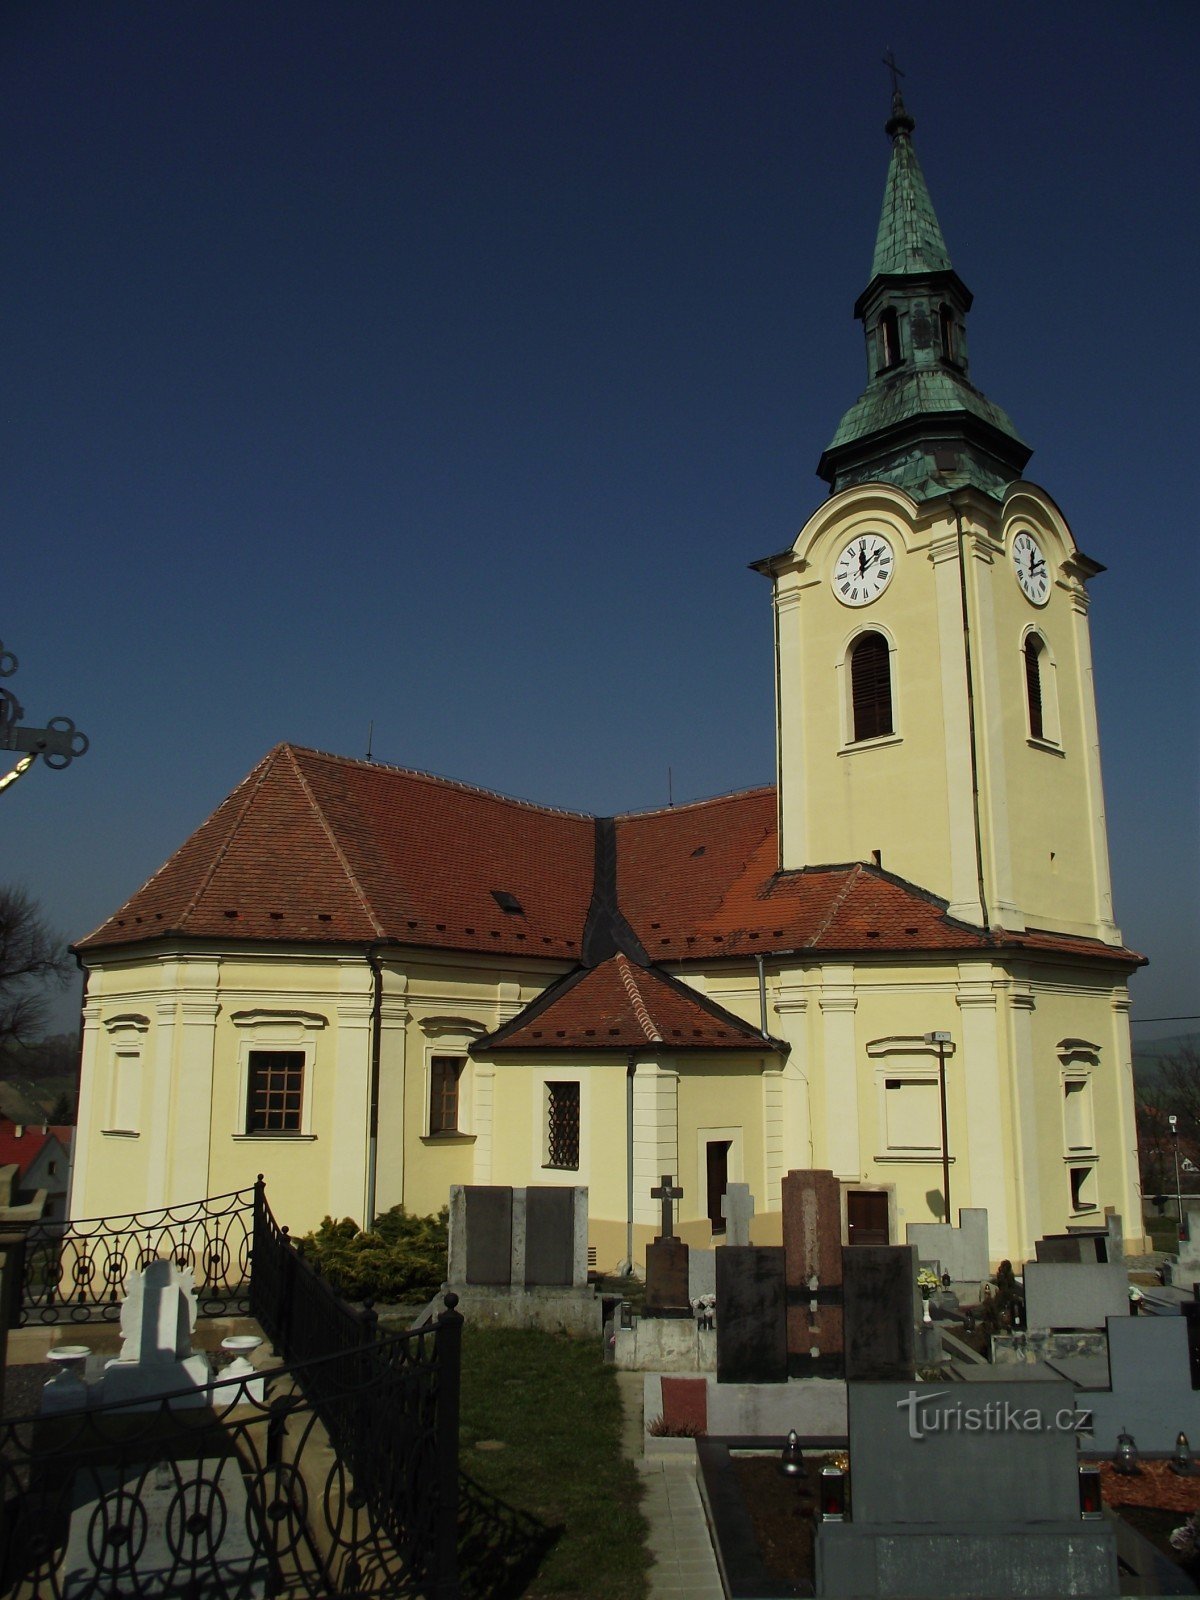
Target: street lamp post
{"points": [[942, 1040], [1173, 1121]]}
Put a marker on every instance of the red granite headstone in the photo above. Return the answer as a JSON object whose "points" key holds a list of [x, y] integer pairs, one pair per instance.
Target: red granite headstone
{"points": [[812, 1250], [685, 1403], [667, 1279]]}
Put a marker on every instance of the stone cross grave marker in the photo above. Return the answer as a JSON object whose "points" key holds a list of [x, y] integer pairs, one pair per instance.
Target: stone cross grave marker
{"points": [[156, 1358], [737, 1207], [667, 1260], [667, 1193]]}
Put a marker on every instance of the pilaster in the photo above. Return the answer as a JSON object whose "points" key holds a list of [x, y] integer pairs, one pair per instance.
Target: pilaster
{"points": [[964, 876], [350, 1092], [1106, 927], [655, 1137], [87, 1116], [990, 736], [198, 1008], [984, 1103], [1129, 1178], [792, 776], [838, 1003], [1026, 1181]]}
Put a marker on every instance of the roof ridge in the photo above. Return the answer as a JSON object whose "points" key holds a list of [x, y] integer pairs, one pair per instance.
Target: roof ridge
{"points": [[640, 1011], [441, 780], [334, 845], [692, 805], [839, 901], [253, 787]]}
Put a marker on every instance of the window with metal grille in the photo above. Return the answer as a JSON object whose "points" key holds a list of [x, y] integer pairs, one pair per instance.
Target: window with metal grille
{"points": [[871, 686], [1033, 685], [275, 1091], [562, 1125], [444, 1073]]}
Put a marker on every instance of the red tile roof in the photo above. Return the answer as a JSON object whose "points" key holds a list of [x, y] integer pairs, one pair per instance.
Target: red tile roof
{"points": [[20, 1149], [313, 848], [619, 1005]]}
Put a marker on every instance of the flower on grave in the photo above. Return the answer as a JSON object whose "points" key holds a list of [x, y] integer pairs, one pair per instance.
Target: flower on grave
{"points": [[1186, 1539], [927, 1281], [1135, 1293]]}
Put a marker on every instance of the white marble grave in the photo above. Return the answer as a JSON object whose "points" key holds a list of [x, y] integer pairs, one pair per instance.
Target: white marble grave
{"points": [[156, 1357]]}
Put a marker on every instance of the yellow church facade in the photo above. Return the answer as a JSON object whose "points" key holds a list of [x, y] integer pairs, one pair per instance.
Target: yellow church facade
{"points": [[369, 983]]}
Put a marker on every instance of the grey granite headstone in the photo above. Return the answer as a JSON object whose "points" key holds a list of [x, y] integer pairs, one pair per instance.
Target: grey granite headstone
{"points": [[878, 1287], [488, 1226], [1086, 1248], [751, 1315], [965, 1489], [960, 1251], [1150, 1393], [549, 1237], [702, 1272], [737, 1207], [1079, 1295]]}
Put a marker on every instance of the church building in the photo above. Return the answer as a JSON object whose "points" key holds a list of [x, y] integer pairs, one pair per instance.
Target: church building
{"points": [[371, 983]]}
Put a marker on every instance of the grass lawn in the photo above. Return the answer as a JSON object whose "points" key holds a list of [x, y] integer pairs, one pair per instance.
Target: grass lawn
{"points": [[553, 1406]]}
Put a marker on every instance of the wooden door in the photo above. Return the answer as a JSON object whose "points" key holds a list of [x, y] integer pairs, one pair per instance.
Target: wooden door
{"points": [[718, 1180], [867, 1216]]}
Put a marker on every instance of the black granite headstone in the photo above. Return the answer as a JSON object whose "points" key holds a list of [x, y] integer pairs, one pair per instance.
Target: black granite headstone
{"points": [[489, 1233], [751, 1315], [667, 1279], [877, 1300], [549, 1237]]}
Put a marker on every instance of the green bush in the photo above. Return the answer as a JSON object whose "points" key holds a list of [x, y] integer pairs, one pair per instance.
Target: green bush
{"points": [[401, 1258]]}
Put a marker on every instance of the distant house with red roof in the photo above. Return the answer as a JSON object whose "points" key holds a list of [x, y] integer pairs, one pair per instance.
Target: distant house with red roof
{"points": [[36, 1161], [371, 983]]}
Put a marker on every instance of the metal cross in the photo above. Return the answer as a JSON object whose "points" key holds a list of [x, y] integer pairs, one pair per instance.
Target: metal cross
{"points": [[889, 62], [666, 1192]]}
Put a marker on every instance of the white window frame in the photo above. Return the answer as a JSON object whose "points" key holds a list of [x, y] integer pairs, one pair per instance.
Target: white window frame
{"points": [[127, 1039], [911, 1060], [844, 687], [449, 1036], [1079, 1060], [281, 1032]]}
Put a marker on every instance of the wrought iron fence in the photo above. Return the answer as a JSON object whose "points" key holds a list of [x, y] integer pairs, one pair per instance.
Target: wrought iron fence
{"points": [[246, 1496], [78, 1271]]}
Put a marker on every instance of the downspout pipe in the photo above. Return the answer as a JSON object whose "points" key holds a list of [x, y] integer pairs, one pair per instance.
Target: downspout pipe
{"points": [[625, 1269], [972, 737], [762, 995], [373, 962]]}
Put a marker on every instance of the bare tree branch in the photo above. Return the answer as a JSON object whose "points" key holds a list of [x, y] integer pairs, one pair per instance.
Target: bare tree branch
{"points": [[31, 956]]}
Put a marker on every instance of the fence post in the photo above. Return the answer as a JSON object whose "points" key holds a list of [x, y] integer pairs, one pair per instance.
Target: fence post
{"points": [[448, 1357], [12, 1283]]}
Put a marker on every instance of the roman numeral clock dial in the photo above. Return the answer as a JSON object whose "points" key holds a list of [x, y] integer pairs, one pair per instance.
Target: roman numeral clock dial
{"points": [[863, 570], [1029, 564]]}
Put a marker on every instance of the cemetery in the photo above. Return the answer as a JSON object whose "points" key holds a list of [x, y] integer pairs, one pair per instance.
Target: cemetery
{"points": [[847, 1420]]}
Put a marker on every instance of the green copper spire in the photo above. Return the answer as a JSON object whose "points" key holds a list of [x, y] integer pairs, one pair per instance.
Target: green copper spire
{"points": [[909, 238], [920, 423]]}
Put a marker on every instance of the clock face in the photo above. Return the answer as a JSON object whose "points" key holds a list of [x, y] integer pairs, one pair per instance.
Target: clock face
{"points": [[863, 570], [1029, 564]]}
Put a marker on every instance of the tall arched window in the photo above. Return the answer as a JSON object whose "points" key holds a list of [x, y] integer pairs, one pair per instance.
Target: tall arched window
{"points": [[946, 321], [871, 686], [889, 338], [1033, 685]]}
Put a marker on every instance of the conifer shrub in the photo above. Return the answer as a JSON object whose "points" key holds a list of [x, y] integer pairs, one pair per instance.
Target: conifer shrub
{"points": [[402, 1258]]}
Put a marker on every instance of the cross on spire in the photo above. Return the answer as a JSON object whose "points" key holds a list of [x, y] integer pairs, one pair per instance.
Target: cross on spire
{"points": [[667, 1192], [889, 62]]}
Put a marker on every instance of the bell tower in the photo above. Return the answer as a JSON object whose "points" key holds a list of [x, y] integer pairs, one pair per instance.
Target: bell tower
{"points": [[935, 706]]}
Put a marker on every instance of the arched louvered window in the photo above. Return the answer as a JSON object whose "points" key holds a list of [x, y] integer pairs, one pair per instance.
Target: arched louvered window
{"points": [[871, 686], [889, 339], [949, 342], [1033, 685]]}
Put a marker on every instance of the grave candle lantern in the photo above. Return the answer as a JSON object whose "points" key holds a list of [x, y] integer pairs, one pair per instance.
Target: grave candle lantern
{"points": [[1125, 1457], [791, 1462], [1090, 1502], [1181, 1461], [833, 1494]]}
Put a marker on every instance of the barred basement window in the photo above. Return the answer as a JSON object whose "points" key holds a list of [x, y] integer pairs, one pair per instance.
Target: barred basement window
{"points": [[275, 1091], [562, 1126], [1033, 685], [444, 1073], [871, 686]]}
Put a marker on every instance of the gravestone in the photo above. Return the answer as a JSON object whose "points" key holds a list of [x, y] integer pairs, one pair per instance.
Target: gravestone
{"points": [[959, 1493], [157, 1318], [489, 1234], [685, 1403], [702, 1273], [1074, 1295], [737, 1207], [667, 1261], [960, 1251], [1151, 1392], [549, 1236], [880, 1305], [1084, 1248], [812, 1248], [751, 1315]]}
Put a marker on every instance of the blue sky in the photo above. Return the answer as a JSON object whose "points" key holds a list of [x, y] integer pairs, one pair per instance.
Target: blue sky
{"points": [[444, 365]]}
